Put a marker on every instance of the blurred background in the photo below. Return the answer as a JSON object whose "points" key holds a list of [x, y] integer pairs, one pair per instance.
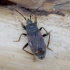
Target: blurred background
{"points": [[60, 5]]}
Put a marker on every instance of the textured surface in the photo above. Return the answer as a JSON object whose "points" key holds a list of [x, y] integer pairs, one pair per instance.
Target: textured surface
{"points": [[13, 57], [49, 5]]}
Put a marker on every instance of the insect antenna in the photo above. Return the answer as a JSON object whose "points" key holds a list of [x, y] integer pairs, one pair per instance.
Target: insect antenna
{"points": [[16, 11], [34, 12], [19, 13]]}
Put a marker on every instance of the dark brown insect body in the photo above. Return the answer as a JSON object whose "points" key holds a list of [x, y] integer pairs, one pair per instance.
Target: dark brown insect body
{"points": [[35, 39]]}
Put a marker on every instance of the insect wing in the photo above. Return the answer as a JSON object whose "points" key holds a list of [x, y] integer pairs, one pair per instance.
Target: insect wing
{"points": [[36, 41]]}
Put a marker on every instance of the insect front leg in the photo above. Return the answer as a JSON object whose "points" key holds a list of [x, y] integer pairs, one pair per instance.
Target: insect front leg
{"points": [[20, 37], [30, 17], [49, 42], [34, 59], [23, 25], [35, 21]]}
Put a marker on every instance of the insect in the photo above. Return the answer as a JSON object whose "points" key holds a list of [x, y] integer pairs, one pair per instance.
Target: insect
{"points": [[35, 39]]}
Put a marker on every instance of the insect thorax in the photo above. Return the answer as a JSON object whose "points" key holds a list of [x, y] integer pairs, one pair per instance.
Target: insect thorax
{"points": [[30, 28]]}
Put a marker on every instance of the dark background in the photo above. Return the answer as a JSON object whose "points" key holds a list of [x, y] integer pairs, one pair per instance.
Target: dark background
{"points": [[6, 2]]}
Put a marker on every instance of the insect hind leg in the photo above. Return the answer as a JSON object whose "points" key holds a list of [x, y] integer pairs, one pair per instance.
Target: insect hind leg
{"points": [[34, 59]]}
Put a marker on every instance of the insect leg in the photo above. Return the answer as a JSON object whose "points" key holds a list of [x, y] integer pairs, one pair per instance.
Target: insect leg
{"points": [[47, 33], [35, 21], [34, 58], [48, 40], [44, 35], [23, 25], [25, 50], [43, 28], [48, 43], [30, 17], [29, 52], [20, 37]]}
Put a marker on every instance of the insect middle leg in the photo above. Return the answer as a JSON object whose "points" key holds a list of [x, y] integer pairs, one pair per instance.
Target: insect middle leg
{"points": [[29, 52], [20, 37], [43, 28]]}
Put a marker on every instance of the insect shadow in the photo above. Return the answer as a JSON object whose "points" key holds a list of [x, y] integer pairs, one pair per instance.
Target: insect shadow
{"points": [[35, 38]]}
